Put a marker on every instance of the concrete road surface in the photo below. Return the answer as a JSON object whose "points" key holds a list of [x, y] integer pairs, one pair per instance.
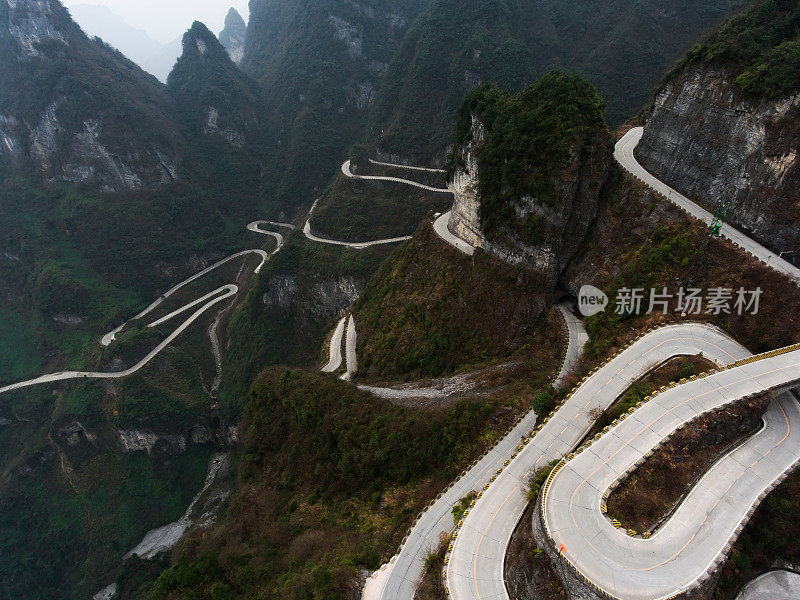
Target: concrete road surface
{"points": [[386, 164], [693, 541], [354, 245], [624, 153], [335, 360], [398, 579], [440, 226], [475, 569], [347, 173], [350, 348], [775, 585], [577, 340]]}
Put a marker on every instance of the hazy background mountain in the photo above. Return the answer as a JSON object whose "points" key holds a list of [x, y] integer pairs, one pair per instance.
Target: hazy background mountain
{"points": [[155, 57]]}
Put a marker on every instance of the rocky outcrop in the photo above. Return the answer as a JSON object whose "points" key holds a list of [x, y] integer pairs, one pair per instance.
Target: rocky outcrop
{"points": [[233, 35], [134, 440], [712, 143], [542, 236]]}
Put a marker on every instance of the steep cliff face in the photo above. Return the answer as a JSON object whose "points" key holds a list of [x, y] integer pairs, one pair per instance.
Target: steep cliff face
{"points": [[320, 64], [212, 95], [74, 109], [233, 35], [529, 172], [724, 127], [621, 47], [714, 144]]}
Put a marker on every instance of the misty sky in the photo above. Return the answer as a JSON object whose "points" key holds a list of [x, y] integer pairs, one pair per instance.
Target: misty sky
{"points": [[165, 20]]}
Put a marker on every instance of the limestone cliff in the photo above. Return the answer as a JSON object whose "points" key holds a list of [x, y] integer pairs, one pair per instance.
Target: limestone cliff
{"points": [[213, 97], [232, 37], [74, 109], [530, 207], [714, 144], [724, 125]]}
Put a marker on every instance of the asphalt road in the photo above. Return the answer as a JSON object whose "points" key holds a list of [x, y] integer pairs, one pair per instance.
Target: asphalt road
{"points": [[696, 537], [624, 154], [397, 580], [475, 568]]}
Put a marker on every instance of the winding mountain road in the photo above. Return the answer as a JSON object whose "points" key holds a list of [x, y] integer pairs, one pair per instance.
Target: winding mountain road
{"points": [[227, 291], [398, 579], [624, 154], [335, 353], [475, 566], [206, 302], [398, 166], [681, 554], [348, 173]]}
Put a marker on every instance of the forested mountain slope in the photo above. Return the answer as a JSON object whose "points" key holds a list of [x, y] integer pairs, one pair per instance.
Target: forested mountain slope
{"points": [[619, 46]]}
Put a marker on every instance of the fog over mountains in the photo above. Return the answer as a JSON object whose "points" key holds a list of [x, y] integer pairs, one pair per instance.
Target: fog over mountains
{"points": [[153, 56]]}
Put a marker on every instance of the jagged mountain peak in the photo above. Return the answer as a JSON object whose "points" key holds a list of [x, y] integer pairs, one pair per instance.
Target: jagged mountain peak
{"points": [[75, 109], [233, 36], [213, 95], [200, 41]]}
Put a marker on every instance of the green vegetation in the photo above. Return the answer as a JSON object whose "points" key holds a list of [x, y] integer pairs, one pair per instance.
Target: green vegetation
{"points": [[536, 481], [530, 138], [544, 402], [329, 481], [455, 45], [645, 242], [50, 517], [320, 63], [294, 303], [462, 505], [424, 312], [771, 535], [360, 211], [761, 44]]}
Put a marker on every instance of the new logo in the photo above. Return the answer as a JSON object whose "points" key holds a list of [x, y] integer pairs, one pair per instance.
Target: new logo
{"points": [[591, 301]]}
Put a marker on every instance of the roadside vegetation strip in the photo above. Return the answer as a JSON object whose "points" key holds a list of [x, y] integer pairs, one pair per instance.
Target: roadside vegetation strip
{"points": [[624, 154], [750, 484], [480, 572]]}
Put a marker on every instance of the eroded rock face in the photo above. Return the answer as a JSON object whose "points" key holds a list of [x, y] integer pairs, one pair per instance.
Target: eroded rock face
{"points": [[58, 130], [713, 144], [233, 35], [563, 223], [146, 441]]}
